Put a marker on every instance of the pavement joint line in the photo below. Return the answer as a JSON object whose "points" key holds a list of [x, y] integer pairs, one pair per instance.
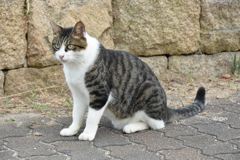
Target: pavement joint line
{"points": [[158, 153], [48, 144], [235, 145], [15, 153], [55, 121], [101, 149], [204, 132], [107, 152], [224, 109], [55, 149], [230, 126], [134, 143], [226, 148], [218, 157], [200, 149]]}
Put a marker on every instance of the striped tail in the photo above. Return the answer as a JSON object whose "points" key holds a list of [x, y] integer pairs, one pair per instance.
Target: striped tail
{"points": [[188, 111]]}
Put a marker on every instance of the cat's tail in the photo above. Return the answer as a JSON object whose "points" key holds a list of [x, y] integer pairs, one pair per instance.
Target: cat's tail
{"points": [[196, 107]]}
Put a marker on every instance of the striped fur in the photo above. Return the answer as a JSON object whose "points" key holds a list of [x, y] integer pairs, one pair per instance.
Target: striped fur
{"points": [[116, 84]]}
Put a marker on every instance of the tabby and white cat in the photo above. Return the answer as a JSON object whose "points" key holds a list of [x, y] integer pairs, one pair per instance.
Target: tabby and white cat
{"points": [[116, 84]]}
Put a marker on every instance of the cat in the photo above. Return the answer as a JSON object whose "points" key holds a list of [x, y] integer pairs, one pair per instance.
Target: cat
{"points": [[116, 84]]}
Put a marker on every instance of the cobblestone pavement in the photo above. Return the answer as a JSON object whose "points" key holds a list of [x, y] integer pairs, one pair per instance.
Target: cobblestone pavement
{"points": [[213, 134]]}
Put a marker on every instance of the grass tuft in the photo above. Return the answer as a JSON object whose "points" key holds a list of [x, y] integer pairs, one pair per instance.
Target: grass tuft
{"points": [[69, 102]]}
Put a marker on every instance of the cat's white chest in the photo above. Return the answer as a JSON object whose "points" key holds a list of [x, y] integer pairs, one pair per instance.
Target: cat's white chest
{"points": [[75, 79]]}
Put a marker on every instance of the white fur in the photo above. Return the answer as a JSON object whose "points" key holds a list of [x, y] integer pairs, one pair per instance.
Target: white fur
{"points": [[93, 120], [75, 65], [134, 127], [139, 121]]}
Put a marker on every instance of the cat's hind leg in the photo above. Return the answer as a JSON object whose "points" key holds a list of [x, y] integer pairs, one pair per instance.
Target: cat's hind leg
{"points": [[141, 122], [137, 123], [134, 127], [155, 123]]}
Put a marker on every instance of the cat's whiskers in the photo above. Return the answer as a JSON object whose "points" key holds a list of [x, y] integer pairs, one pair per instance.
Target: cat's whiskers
{"points": [[74, 63]]}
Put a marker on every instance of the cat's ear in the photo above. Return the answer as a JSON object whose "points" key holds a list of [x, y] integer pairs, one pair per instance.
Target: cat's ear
{"points": [[78, 30], [57, 30]]}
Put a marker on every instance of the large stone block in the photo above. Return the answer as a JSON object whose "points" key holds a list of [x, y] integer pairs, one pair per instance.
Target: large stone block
{"points": [[157, 63], [203, 66], [1, 83], [220, 26], [13, 28], [25, 79], [148, 27], [93, 13]]}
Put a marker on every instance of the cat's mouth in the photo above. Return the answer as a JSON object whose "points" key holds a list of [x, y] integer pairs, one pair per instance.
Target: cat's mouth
{"points": [[63, 61]]}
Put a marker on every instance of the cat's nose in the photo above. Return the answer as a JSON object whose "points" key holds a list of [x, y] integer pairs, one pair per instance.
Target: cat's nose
{"points": [[61, 57]]}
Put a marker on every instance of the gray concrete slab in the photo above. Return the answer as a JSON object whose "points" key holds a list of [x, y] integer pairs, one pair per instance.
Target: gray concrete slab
{"points": [[213, 134]]}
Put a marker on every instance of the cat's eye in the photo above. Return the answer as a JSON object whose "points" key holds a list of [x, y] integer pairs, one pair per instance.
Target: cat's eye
{"points": [[70, 47], [57, 46]]}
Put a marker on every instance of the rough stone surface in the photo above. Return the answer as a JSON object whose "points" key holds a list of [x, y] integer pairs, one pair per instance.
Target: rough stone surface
{"points": [[157, 63], [205, 138], [25, 79], [220, 25], [1, 143], [155, 141], [54, 136], [1, 83], [29, 146], [232, 108], [229, 156], [131, 152], [222, 131], [175, 130], [13, 129], [149, 27], [231, 119], [198, 119], [223, 148], [82, 150], [95, 15], [111, 139], [66, 121], [6, 155], [13, 26], [183, 154], [200, 141], [197, 66], [51, 157], [237, 142]]}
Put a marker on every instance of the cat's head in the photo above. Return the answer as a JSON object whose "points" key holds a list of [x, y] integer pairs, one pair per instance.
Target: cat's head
{"points": [[69, 44]]}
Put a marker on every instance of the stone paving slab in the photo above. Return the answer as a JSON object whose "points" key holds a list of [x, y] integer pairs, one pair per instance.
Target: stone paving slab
{"points": [[213, 134]]}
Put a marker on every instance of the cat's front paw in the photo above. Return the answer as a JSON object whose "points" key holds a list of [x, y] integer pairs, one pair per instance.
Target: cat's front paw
{"points": [[86, 137], [68, 132]]}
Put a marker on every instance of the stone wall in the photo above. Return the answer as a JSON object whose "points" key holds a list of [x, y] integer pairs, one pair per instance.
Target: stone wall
{"points": [[164, 30]]}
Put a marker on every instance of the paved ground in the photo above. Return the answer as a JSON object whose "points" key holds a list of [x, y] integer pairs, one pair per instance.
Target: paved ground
{"points": [[214, 134]]}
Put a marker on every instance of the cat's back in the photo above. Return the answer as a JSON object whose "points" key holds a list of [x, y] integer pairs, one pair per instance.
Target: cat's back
{"points": [[122, 63]]}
